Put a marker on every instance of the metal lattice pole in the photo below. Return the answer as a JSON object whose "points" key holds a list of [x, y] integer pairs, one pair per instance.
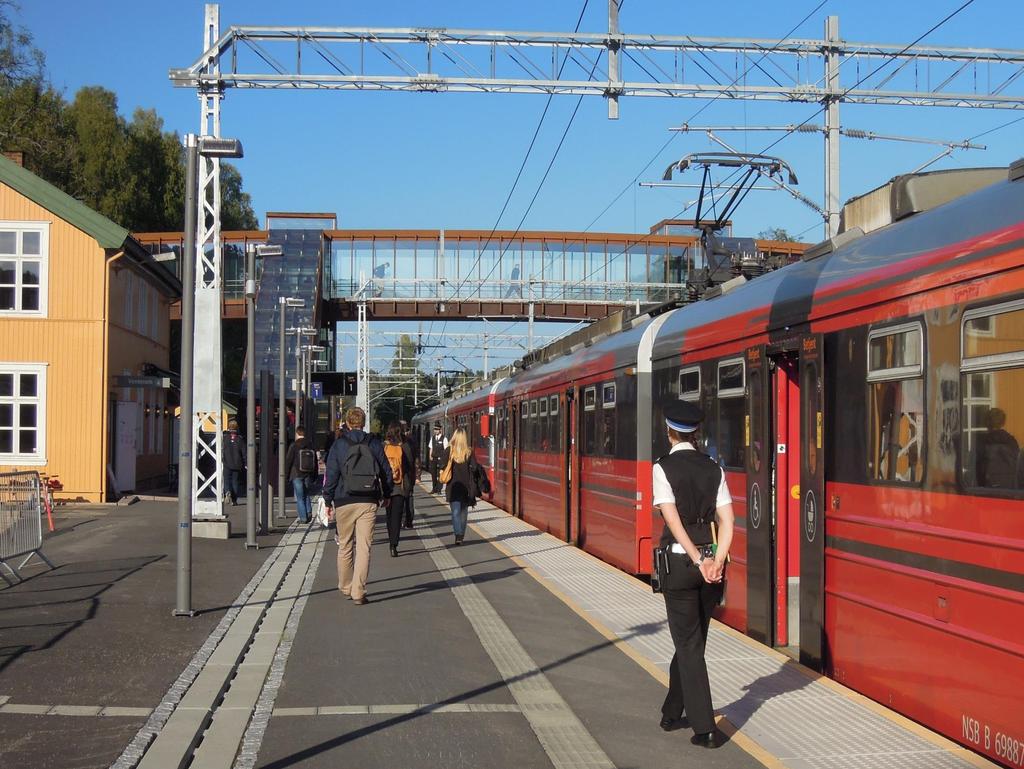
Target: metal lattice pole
{"points": [[207, 476]]}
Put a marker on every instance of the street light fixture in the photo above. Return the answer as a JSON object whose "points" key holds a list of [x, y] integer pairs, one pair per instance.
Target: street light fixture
{"points": [[251, 251], [283, 303]]}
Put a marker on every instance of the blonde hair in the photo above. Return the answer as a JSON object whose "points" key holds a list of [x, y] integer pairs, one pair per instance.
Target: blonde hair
{"points": [[458, 446], [355, 418]]}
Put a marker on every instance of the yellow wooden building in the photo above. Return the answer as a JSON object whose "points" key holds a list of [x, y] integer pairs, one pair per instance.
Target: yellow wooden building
{"points": [[81, 304]]}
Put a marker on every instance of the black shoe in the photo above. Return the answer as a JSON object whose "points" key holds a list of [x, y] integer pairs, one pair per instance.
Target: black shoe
{"points": [[407, 526], [394, 552], [671, 724], [458, 540], [706, 740]]}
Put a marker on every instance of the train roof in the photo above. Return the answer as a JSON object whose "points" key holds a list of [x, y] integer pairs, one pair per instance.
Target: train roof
{"points": [[881, 262]]}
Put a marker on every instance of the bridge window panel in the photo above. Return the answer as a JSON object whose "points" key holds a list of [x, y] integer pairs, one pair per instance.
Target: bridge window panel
{"points": [[679, 264], [896, 404], [341, 269], [595, 271], [731, 413], [383, 266], [689, 384], [657, 266], [637, 271], [510, 271], [532, 265], [362, 263], [617, 262], [992, 400], [576, 264], [489, 270], [403, 273]]}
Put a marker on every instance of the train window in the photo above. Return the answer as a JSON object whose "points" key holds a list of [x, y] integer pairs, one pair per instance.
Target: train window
{"points": [[554, 424], [554, 405], [542, 424], [730, 378], [608, 395], [731, 413], [608, 419], [543, 407], [992, 399], [896, 411], [589, 421], [590, 399], [533, 409], [689, 384]]}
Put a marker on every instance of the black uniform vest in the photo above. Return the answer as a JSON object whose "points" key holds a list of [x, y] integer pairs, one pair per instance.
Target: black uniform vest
{"points": [[694, 478], [436, 450]]}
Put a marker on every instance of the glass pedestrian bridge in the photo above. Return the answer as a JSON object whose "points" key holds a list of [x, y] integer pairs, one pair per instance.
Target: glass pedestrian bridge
{"points": [[504, 268]]}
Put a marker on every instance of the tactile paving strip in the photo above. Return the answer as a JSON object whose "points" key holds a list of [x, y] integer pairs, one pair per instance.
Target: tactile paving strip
{"points": [[803, 722]]}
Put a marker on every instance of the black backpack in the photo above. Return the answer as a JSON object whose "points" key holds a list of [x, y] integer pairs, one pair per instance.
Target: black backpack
{"points": [[360, 473], [307, 460]]}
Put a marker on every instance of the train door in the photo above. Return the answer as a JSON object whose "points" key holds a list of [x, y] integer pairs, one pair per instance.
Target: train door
{"points": [[514, 430], [786, 498], [812, 502], [760, 523], [570, 480]]}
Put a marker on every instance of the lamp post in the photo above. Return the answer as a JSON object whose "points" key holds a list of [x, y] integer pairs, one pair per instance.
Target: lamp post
{"points": [[208, 146], [283, 302], [307, 374], [251, 250], [300, 368]]}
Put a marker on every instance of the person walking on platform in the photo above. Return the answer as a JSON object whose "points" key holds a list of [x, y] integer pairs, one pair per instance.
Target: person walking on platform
{"points": [[466, 481], [690, 490], [436, 457], [408, 441], [234, 461], [399, 456], [300, 460], [357, 481]]}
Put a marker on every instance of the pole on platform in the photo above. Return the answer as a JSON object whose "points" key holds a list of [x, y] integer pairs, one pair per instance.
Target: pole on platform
{"points": [[281, 417], [250, 397], [186, 442], [266, 431]]}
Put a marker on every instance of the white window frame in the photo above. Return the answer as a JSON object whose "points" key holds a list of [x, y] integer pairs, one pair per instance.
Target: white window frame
{"points": [[989, 362], [605, 403], [732, 392], [897, 372], [524, 410], [689, 395], [553, 407], [542, 406], [592, 391], [533, 409], [21, 227], [38, 459]]}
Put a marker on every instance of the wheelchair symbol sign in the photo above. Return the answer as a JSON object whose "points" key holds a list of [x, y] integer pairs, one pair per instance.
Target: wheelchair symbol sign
{"points": [[810, 516], [755, 505]]}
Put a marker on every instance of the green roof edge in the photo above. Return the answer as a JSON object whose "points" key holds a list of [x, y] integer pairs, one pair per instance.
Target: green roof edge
{"points": [[107, 234]]}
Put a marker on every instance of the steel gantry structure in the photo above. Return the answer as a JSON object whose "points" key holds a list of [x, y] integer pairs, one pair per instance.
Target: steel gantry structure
{"points": [[440, 60]]}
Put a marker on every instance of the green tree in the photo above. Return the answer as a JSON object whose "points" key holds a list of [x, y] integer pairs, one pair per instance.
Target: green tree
{"points": [[34, 120], [775, 233], [104, 182], [20, 60], [235, 205]]}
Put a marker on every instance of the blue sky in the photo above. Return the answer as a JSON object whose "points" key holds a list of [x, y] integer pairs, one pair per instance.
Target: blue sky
{"points": [[448, 160]]}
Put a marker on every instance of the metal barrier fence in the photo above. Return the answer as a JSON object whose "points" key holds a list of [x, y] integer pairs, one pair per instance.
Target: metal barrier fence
{"points": [[21, 521]]}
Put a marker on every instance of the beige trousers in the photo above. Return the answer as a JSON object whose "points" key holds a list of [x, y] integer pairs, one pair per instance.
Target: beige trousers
{"points": [[355, 533]]}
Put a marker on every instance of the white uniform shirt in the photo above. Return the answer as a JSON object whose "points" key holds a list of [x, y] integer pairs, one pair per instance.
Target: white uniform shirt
{"points": [[430, 447], [663, 490]]}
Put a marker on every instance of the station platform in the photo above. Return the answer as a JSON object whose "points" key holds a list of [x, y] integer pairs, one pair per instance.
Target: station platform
{"points": [[511, 650]]}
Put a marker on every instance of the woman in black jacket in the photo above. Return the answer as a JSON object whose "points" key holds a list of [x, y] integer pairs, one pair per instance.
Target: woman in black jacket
{"points": [[466, 483]]}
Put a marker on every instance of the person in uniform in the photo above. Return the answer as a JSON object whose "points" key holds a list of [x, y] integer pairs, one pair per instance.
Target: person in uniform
{"points": [[690, 490]]}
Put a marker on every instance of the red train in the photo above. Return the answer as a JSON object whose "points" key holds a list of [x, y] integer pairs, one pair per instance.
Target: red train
{"points": [[864, 403]]}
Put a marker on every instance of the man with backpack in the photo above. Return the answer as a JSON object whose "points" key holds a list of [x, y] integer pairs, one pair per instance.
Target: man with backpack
{"points": [[302, 466], [358, 480]]}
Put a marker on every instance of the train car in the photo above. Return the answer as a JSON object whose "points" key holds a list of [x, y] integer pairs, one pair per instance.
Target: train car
{"points": [[864, 405]]}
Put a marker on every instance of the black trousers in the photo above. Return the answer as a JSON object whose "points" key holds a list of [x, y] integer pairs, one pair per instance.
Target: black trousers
{"points": [[393, 516], [689, 604], [408, 509], [234, 484], [435, 470]]}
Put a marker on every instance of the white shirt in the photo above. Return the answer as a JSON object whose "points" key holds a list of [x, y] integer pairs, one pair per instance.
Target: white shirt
{"points": [[430, 447], [663, 490]]}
